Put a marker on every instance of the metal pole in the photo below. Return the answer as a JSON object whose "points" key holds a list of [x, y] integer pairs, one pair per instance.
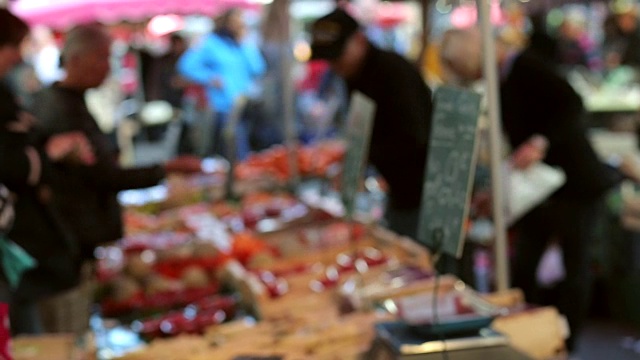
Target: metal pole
{"points": [[230, 139], [495, 132], [288, 100]]}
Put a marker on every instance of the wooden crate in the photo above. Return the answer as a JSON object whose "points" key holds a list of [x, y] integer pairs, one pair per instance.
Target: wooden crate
{"points": [[44, 347]]}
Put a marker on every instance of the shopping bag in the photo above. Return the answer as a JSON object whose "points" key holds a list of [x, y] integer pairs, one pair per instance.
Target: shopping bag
{"points": [[15, 261], [551, 269], [528, 188]]}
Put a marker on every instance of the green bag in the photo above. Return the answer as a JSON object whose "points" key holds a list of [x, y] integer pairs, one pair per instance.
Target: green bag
{"points": [[15, 261]]}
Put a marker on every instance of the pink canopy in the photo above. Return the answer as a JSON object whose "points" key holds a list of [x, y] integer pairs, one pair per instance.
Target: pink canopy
{"points": [[65, 13], [391, 14]]}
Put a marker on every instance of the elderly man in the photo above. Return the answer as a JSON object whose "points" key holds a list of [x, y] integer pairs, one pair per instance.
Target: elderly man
{"points": [[87, 199], [537, 101], [25, 170], [403, 116]]}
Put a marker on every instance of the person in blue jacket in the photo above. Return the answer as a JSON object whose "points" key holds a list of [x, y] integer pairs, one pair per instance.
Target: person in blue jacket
{"points": [[228, 66]]}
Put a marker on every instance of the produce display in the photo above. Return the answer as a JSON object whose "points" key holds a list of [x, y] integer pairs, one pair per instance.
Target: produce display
{"points": [[310, 336], [166, 278], [257, 211], [299, 287], [171, 259], [138, 276], [265, 170], [296, 318], [313, 160], [178, 190], [313, 320], [195, 318], [267, 276]]}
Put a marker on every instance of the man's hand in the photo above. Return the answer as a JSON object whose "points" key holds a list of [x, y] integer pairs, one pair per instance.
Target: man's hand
{"points": [[73, 147], [184, 164], [629, 166], [22, 124], [531, 152]]}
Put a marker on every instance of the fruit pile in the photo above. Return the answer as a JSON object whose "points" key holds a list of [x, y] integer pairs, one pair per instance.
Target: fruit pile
{"points": [[277, 210], [139, 277], [314, 160], [179, 190], [192, 319]]}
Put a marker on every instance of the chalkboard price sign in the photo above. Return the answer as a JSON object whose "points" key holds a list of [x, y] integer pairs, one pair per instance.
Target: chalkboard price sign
{"points": [[450, 170], [359, 126]]}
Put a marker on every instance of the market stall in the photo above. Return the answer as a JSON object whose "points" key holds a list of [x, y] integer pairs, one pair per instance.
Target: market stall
{"points": [[199, 272], [198, 275]]}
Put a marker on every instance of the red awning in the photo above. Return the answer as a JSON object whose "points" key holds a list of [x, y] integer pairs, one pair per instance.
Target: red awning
{"points": [[65, 13]]}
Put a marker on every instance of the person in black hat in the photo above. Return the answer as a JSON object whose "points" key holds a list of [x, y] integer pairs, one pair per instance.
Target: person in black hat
{"points": [[399, 140]]}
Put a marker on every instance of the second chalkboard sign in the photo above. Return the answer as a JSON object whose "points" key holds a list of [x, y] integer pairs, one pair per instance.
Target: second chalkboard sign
{"points": [[450, 170]]}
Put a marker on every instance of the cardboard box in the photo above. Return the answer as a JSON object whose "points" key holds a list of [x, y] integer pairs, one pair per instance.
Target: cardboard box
{"points": [[45, 347]]}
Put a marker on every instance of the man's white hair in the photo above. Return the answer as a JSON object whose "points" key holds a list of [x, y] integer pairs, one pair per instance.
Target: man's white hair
{"points": [[461, 44], [82, 39], [461, 51]]}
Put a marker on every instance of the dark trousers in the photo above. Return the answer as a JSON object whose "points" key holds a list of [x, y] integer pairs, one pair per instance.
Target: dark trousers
{"points": [[574, 224], [25, 317], [403, 221]]}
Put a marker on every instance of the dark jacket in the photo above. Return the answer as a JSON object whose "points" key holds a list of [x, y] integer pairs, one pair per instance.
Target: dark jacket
{"points": [[36, 228], [536, 100], [88, 197], [400, 136]]}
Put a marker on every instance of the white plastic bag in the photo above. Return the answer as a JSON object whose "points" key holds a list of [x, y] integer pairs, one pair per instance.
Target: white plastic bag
{"points": [[526, 189]]}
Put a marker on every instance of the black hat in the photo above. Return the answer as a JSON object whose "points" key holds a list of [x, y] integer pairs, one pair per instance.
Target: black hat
{"points": [[330, 33]]}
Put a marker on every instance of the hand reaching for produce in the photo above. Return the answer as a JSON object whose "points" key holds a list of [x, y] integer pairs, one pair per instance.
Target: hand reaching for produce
{"points": [[22, 124], [185, 164], [529, 153], [72, 147], [629, 166]]}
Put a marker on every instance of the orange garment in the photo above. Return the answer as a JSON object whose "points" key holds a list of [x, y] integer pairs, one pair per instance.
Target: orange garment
{"points": [[431, 66]]}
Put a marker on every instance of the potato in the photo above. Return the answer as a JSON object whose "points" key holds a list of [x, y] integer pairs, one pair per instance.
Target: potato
{"points": [[124, 288], [158, 284], [184, 251], [194, 277], [138, 267], [261, 261], [203, 249]]}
